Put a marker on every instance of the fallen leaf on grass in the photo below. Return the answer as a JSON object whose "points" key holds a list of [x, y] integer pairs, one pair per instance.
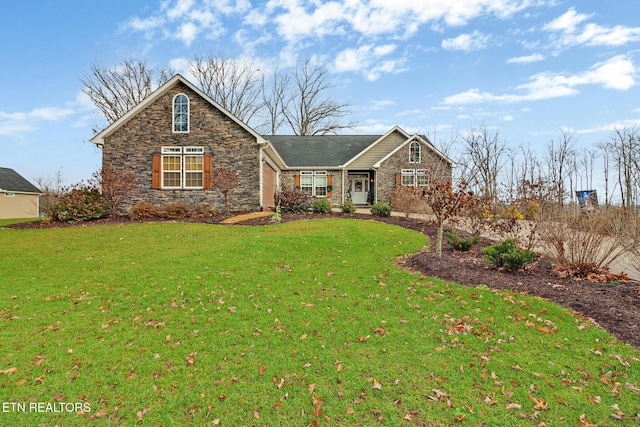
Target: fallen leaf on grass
{"points": [[8, 371], [584, 422], [142, 413], [191, 359], [377, 384], [513, 406], [539, 404], [633, 388]]}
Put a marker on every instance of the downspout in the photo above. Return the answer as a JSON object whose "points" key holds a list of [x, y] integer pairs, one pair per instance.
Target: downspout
{"points": [[342, 187], [261, 174]]}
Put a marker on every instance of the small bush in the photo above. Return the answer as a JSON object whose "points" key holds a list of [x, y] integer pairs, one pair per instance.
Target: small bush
{"points": [[143, 210], [293, 200], [174, 210], [381, 209], [81, 204], [348, 207], [277, 215], [460, 244], [505, 254], [202, 210], [512, 212], [321, 205]]}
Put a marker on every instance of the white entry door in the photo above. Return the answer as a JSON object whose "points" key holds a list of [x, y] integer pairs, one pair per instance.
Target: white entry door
{"points": [[359, 188]]}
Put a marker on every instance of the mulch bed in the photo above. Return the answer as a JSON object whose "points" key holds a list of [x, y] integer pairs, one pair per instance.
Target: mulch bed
{"points": [[614, 306]]}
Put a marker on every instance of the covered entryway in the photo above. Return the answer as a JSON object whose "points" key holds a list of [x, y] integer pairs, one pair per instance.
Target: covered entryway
{"points": [[358, 187]]}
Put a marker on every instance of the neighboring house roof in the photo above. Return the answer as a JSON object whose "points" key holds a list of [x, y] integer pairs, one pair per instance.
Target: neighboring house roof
{"points": [[319, 150], [99, 138], [11, 181]]}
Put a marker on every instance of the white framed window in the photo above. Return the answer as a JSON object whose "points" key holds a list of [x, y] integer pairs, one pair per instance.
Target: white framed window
{"points": [[181, 113], [182, 167], [414, 177], [9, 194], [408, 177], [314, 183], [414, 152]]}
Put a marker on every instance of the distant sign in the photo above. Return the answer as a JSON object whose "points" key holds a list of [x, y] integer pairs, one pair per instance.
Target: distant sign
{"points": [[588, 200]]}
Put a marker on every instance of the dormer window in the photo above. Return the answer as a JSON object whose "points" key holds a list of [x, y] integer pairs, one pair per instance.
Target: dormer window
{"points": [[414, 152], [181, 113]]}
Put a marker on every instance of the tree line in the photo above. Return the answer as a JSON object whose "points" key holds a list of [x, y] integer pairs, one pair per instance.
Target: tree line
{"points": [[498, 171]]}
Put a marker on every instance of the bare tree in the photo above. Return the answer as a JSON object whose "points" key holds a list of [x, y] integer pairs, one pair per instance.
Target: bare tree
{"points": [[485, 151], [446, 201], [308, 111], [116, 90], [233, 83], [52, 189], [559, 162], [275, 98], [623, 147], [115, 185], [226, 181]]}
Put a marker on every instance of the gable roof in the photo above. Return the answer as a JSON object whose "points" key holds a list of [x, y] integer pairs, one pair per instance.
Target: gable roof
{"points": [[337, 151], [99, 138], [319, 150], [12, 181]]}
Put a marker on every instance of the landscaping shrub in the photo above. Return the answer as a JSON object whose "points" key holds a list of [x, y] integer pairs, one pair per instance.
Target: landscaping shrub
{"points": [[293, 200], [202, 210], [507, 255], [577, 242], [81, 204], [321, 205], [348, 207], [381, 209], [174, 210], [461, 244], [143, 210]]}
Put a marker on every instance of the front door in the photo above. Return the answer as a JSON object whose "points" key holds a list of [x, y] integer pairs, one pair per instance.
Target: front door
{"points": [[358, 188]]}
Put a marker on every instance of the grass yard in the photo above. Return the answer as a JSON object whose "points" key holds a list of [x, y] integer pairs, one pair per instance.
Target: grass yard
{"points": [[305, 323]]}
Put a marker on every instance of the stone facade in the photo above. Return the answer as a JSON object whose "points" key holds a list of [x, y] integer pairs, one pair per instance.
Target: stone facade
{"points": [[131, 148], [390, 168]]}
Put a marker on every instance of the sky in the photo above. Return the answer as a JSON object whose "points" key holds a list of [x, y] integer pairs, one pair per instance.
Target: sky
{"points": [[526, 69]]}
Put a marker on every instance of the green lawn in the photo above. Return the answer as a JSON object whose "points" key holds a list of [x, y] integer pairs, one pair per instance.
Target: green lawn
{"points": [[306, 323]]}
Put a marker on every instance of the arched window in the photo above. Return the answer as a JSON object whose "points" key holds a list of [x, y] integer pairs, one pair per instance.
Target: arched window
{"points": [[181, 113], [414, 152]]}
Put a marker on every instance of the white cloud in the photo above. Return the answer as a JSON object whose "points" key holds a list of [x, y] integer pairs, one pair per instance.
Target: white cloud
{"points": [[382, 104], [572, 30], [526, 59], [610, 127], [466, 42], [616, 73], [368, 59], [12, 124]]}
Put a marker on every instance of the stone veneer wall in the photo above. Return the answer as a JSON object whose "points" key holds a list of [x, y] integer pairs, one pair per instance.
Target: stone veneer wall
{"points": [[400, 160], [131, 147], [287, 178]]}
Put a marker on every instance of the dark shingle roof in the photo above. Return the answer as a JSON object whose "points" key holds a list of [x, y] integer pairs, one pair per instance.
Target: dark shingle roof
{"points": [[319, 150], [12, 181]]}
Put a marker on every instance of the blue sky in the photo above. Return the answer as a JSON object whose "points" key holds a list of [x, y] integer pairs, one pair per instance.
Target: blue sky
{"points": [[526, 68]]}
